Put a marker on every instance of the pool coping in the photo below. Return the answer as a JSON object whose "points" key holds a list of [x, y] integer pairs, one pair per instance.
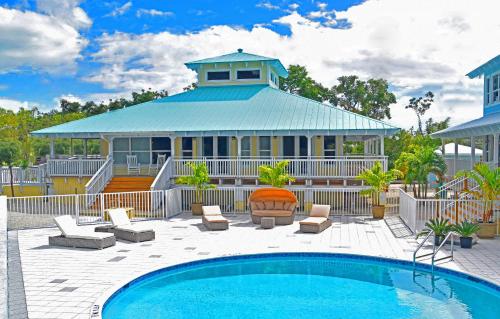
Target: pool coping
{"points": [[98, 305]]}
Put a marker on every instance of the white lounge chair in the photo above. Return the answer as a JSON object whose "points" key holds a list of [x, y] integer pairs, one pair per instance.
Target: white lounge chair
{"points": [[133, 166], [212, 218], [317, 221], [124, 229], [75, 236]]}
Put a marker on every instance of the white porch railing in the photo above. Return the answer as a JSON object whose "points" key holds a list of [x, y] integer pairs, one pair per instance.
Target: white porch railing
{"points": [[416, 212], [74, 167], [30, 175], [337, 167], [101, 178], [162, 180], [461, 164]]}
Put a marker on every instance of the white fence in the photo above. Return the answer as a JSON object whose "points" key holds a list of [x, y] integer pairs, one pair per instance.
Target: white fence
{"points": [[74, 167], [30, 175], [39, 211], [416, 212], [338, 167]]}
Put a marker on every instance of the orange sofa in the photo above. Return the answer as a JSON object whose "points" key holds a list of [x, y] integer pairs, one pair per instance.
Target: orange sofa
{"points": [[279, 203]]}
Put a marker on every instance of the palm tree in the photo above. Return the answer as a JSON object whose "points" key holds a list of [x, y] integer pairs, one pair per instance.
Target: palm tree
{"points": [[276, 176], [488, 181]]}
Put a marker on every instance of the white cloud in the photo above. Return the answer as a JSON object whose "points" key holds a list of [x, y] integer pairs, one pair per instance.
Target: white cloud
{"points": [[69, 98], [67, 11], [154, 13], [15, 105], [118, 11], [267, 5], [413, 47], [41, 42]]}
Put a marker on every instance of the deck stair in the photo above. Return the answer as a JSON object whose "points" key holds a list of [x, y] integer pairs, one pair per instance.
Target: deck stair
{"points": [[126, 191]]}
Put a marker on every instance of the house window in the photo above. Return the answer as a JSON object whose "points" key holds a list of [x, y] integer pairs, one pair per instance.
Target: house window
{"points": [[187, 147], [329, 146], [208, 146], [245, 147], [139, 146], [248, 74], [218, 75], [222, 146], [302, 146], [265, 146], [495, 89], [160, 146]]}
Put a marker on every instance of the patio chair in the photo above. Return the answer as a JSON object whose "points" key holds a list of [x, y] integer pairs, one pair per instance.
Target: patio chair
{"points": [[132, 165], [317, 221], [158, 165], [124, 229], [78, 237], [212, 218]]}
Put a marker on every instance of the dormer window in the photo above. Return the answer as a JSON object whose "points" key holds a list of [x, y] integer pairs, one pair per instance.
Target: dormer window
{"points": [[248, 74], [218, 75]]}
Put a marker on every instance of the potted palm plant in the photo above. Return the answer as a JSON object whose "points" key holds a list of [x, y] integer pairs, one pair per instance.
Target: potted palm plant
{"points": [[379, 181], [466, 229], [199, 179], [440, 226], [487, 191], [276, 176]]}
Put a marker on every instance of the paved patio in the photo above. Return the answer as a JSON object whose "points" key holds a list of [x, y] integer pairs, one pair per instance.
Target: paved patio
{"points": [[64, 282]]}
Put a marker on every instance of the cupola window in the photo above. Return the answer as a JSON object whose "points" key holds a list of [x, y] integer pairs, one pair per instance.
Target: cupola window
{"points": [[248, 74], [218, 75]]}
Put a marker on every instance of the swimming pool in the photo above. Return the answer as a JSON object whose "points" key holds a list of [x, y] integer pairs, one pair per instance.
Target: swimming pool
{"points": [[297, 285]]}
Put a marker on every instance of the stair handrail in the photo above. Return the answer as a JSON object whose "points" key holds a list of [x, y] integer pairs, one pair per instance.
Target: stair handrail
{"points": [[450, 186], [162, 179], [101, 178]]}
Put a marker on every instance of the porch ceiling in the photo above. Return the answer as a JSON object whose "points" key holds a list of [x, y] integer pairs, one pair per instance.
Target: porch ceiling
{"points": [[486, 125]]}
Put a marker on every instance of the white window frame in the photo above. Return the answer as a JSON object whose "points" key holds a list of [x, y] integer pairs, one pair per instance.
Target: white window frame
{"points": [[248, 69], [246, 152], [217, 70], [334, 149], [490, 91]]}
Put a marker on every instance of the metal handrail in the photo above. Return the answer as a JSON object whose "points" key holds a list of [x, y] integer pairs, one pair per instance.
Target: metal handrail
{"points": [[420, 246], [450, 234]]}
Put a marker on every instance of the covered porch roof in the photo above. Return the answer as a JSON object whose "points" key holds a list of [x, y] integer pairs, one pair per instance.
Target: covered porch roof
{"points": [[224, 111], [488, 124]]}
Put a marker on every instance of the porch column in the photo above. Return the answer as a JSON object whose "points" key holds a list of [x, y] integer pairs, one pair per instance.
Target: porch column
{"points": [[455, 157], [472, 151], [382, 145], [495, 149], [52, 152], [309, 152], [110, 147], [216, 146], [238, 144], [172, 146]]}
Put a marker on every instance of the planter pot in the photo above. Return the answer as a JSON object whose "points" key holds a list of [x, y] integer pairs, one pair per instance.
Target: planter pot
{"points": [[466, 242], [487, 230], [196, 208], [378, 212], [438, 240]]}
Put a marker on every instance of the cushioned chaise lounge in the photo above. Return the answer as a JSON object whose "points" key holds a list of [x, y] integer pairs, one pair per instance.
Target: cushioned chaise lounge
{"points": [[78, 237], [279, 203], [317, 221], [212, 218], [124, 229]]}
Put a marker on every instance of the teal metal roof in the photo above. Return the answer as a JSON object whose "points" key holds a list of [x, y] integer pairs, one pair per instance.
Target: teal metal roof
{"points": [[240, 56], [488, 67], [225, 110], [489, 124]]}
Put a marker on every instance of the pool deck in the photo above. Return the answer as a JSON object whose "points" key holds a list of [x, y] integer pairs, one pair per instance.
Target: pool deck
{"points": [[65, 282]]}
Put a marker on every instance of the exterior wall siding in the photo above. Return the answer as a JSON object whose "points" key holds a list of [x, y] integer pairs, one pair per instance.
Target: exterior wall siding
{"points": [[104, 147], [69, 185], [26, 190]]}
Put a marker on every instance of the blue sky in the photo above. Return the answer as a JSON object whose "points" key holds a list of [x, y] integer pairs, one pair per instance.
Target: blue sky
{"points": [[95, 50]]}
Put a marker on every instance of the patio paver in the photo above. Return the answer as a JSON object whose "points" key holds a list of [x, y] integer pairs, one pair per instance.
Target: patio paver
{"points": [[91, 272]]}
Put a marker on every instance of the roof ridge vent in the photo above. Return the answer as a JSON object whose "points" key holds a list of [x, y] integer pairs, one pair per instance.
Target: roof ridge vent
{"points": [[240, 50]]}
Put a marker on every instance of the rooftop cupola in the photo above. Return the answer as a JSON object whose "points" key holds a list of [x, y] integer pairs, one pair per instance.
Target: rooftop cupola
{"points": [[238, 68]]}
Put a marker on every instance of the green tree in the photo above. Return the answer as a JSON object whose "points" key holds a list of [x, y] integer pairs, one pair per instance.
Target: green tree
{"points": [[276, 176], [199, 179], [379, 181], [431, 126], [371, 98], [420, 105], [9, 156], [299, 82]]}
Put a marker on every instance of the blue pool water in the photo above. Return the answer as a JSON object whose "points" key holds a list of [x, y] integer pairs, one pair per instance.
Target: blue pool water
{"points": [[303, 285]]}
